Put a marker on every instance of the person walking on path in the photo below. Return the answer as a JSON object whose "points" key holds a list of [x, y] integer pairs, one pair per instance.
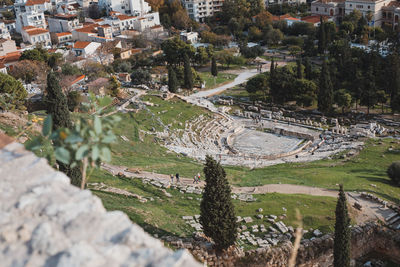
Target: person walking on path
{"points": [[177, 177], [195, 179], [198, 177], [172, 178]]}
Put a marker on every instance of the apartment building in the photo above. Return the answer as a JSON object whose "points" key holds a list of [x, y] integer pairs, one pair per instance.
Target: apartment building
{"points": [[373, 7], [200, 9], [31, 13], [61, 37]]}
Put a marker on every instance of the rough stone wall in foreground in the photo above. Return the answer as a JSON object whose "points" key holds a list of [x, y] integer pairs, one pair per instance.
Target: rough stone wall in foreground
{"points": [[45, 221]]}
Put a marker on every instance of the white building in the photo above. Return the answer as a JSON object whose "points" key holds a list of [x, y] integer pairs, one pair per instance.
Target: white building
{"points": [[368, 7], [331, 8], [120, 23], [4, 33], [191, 37], [128, 7], [63, 23], [36, 36], [3, 68], [200, 9], [61, 38], [85, 49], [30, 13]]}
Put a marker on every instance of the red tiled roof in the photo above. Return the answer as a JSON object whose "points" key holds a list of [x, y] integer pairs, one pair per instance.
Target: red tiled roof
{"points": [[89, 28], [35, 2], [313, 19], [34, 31], [282, 17], [78, 79], [81, 45], [10, 57], [60, 34], [124, 17]]}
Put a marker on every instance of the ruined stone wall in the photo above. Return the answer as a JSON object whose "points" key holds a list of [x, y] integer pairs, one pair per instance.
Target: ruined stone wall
{"points": [[45, 221], [316, 253]]}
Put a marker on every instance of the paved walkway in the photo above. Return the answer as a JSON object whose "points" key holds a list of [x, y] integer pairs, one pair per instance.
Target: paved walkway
{"points": [[370, 210], [241, 78]]}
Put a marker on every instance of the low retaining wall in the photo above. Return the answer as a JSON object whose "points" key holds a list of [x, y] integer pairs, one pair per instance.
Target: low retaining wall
{"points": [[365, 239]]}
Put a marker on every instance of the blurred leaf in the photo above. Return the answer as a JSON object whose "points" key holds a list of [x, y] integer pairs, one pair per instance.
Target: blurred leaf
{"points": [[95, 153], [82, 152], [62, 155], [73, 139], [108, 139], [97, 125], [47, 125], [33, 145], [105, 154]]}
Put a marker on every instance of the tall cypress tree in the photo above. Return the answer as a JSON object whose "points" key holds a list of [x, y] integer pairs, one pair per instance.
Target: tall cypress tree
{"points": [[308, 69], [172, 80], [214, 68], [188, 75], [272, 79], [57, 104], [57, 107], [341, 249], [299, 69], [325, 96], [394, 82], [321, 37], [217, 211]]}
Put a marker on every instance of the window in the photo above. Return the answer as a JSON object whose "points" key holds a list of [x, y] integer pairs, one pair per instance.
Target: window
{"points": [[359, 6], [326, 9], [369, 7], [316, 9], [351, 5]]}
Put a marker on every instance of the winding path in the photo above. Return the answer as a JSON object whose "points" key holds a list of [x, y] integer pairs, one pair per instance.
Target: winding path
{"points": [[370, 210]]}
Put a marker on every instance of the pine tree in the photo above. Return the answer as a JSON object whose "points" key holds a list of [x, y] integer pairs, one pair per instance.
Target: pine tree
{"points": [[172, 80], [299, 69], [341, 249], [57, 107], [214, 68], [271, 68], [308, 69], [325, 96], [217, 211], [321, 37], [188, 75]]}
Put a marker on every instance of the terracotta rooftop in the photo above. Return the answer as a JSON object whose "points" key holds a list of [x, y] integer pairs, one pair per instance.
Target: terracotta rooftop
{"points": [[283, 17], [124, 17], [35, 2], [60, 34], [34, 31], [10, 57], [81, 45], [91, 28], [313, 19]]}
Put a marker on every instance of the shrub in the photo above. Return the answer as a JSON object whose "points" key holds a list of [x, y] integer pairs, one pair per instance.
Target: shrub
{"points": [[394, 172]]}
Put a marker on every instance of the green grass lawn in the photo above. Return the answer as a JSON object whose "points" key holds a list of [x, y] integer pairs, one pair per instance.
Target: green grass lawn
{"points": [[164, 216], [221, 79], [357, 173]]}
